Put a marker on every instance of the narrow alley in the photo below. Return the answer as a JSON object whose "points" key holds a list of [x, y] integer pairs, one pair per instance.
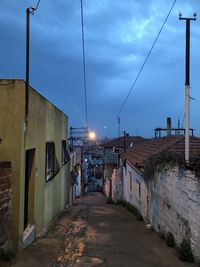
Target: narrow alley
{"points": [[99, 133], [94, 233]]}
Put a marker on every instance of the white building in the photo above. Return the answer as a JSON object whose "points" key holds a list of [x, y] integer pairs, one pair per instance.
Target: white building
{"points": [[165, 192]]}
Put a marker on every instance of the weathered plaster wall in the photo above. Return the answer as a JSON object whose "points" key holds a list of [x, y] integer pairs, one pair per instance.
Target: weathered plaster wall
{"points": [[135, 190], [5, 205], [107, 187], [12, 106], [117, 185], [174, 205], [125, 186], [108, 170], [46, 123]]}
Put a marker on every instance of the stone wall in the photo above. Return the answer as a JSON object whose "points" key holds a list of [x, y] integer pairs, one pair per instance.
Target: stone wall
{"points": [[5, 204], [174, 201]]}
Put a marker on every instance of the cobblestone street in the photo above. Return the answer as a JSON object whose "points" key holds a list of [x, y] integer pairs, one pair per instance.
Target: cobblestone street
{"points": [[94, 233]]}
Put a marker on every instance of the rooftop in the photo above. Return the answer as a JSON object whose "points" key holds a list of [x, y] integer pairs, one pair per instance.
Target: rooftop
{"points": [[129, 141], [175, 143]]}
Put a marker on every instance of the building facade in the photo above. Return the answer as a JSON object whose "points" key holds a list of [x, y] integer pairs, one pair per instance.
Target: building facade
{"points": [[165, 190], [37, 150]]}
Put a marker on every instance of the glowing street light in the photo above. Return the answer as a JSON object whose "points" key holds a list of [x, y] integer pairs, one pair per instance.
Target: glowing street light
{"points": [[91, 135]]}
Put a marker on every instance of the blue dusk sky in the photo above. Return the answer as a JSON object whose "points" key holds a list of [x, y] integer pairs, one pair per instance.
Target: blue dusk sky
{"points": [[118, 37]]}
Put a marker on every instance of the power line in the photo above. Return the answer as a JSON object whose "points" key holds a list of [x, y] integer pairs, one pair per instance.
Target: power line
{"points": [[194, 99], [37, 5], [142, 67], [84, 64]]}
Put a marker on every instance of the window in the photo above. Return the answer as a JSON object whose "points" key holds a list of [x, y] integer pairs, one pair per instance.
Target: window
{"points": [[138, 189], [65, 153], [52, 166]]}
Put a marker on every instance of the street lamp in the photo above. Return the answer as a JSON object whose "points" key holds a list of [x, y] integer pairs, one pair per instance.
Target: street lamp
{"points": [[29, 10], [91, 135]]}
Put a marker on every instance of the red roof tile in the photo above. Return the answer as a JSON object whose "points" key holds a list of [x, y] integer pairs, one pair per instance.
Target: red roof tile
{"points": [[119, 142], [175, 143]]}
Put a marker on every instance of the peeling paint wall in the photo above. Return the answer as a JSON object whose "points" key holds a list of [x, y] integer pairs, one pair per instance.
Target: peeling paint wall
{"points": [[174, 205], [117, 185], [12, 113], [5, 205], [46, 123], [135, 190], [107, 187]]}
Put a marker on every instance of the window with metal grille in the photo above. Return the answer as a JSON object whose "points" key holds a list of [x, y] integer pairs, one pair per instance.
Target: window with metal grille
{"points": [[52, 165], [65, 153]]}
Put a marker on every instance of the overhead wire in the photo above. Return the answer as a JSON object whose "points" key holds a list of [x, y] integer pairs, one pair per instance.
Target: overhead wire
{"points": [[38, 3], [142, 67], [195, 100], [84, 65]]}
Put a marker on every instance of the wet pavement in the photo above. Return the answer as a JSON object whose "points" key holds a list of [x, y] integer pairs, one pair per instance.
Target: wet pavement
{"points": [[94, 233]]}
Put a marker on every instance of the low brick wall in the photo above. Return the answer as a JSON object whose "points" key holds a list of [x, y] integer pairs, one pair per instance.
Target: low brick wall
{"points": [[5, 204]]}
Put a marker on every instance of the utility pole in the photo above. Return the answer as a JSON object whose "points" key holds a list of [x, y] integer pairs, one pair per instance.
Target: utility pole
{"points": [[124, 142], [187, 85], [27, 64], [29, 10], [119, 126]]}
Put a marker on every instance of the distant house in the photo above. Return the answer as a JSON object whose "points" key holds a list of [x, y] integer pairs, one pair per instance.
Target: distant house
{"points": [[92, 166], [38, 155], [112, 150], [163, 188]]}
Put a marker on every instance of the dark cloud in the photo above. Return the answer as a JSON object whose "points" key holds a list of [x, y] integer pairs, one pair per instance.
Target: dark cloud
{"points": [[118, 36]]}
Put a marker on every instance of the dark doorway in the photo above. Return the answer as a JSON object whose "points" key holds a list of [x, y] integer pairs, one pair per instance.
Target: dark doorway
{"points": [[29, 187]]}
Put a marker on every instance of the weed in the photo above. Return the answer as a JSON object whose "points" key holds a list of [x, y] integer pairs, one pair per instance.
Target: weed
{"points": [[139, 216], [185, 252], [170, 239], [6, 255], [110, 201]]}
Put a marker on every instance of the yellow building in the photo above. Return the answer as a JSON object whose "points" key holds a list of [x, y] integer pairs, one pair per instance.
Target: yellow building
{"points": [[37, 151]]}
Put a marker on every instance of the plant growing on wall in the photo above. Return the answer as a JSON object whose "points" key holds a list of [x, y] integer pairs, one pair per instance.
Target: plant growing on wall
{"points": [[6, 255], [185, 252], [110, 201], [159, 161], [167, 160], [170, 239], [162, 234]]}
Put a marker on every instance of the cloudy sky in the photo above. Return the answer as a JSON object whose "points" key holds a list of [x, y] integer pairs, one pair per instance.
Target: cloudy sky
{"points": [[118, 37]]}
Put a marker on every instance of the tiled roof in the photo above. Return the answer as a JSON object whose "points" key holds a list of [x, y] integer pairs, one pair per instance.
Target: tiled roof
{"points": [[119, 142], [175, 143]]}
